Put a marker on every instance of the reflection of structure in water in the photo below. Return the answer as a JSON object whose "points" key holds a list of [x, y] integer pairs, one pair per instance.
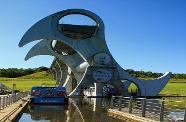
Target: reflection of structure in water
{"points": [[78, 110], [52, 113]]}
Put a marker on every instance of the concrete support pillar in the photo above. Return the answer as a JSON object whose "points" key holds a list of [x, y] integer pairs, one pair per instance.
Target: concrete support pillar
{"points": [[98, 89], [68, 86], [58, 76]]}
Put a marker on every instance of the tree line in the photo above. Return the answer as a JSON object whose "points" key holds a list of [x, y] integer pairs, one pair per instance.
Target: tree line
{"points": [[15, 72], [149, 74]]}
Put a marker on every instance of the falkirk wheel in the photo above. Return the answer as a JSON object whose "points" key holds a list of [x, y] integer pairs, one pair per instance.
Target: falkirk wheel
{"points": [[81, 55]]}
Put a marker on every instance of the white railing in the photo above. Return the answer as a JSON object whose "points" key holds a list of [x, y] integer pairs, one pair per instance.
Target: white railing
{"points": [[156, 109], [7, 100]]}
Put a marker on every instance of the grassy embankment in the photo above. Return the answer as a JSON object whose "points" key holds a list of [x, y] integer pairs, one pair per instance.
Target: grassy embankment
{"points": [[174, 87], [26, 82]]}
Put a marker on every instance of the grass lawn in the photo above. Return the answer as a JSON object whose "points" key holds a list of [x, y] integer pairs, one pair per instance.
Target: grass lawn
{"points": [[26, 82], [174, 86], [174, 89]]}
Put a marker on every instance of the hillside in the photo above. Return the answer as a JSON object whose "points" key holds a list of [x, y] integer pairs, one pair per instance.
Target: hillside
{"points": [[37, 75], [25, 83]]}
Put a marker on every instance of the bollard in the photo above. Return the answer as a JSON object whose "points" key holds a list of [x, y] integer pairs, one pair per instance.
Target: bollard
{"points": [[184, 116], [130, 104], [120, 103], [112, 102], [143, 107], [162, 111], [15, 97], [14, 88], [0, 103], [8, 100], [3, 102], [11, 99]]}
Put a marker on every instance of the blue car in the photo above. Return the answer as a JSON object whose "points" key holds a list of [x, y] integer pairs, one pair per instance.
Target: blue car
{"points": [[48, 95]]}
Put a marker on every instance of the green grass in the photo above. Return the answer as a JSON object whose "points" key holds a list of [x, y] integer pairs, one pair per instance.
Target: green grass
{"points": [[26, 82], [175, 102], [177, 81], [174, 87]]}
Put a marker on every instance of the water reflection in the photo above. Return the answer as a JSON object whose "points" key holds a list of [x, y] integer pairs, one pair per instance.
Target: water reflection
{"points": [[52, 113], [78, 110], [177, 116]]}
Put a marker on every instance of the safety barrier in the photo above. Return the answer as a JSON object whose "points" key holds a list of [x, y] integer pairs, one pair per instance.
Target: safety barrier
{"points": [[7, 100], [156, 109]]}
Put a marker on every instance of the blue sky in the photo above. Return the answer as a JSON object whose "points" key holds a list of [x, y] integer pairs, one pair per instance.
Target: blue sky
{"points": [[147, 35]]}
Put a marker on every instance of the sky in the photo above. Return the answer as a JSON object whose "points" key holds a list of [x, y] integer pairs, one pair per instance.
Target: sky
{"points": [[148, 35]]}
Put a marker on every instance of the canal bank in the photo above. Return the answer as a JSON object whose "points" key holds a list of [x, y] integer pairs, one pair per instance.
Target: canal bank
{"points": [[11, 112], [128, 117]]}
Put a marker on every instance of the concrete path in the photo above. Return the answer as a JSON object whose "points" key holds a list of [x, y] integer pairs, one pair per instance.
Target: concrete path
{"points": [[10, 113], [127, 117]]}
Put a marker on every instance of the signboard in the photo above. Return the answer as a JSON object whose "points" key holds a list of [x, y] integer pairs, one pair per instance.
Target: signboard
{"points": [[102, 75], [102, 59]]}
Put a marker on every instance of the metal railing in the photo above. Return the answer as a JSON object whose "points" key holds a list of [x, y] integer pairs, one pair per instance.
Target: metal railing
{"points": [[156, 109], [7, 100]]}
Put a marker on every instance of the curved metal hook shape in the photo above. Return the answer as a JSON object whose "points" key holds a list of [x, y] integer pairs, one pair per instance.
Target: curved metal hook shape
{"points": [[44, 28], [44, 48], [88, 49], [47, 29], [147, 87]]}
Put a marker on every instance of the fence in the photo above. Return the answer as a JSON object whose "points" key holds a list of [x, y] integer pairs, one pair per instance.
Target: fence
{"points": [[156, 109], [7, 100]]}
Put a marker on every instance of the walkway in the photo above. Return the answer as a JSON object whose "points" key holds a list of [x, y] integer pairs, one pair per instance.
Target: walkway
{"points": [[127, 117], [10, 113]]}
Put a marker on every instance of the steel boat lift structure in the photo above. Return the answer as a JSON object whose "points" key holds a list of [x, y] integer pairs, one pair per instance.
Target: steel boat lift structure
{"points": [[81, 55]]}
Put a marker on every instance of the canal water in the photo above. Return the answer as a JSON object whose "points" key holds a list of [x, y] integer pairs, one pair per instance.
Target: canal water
{"points": [[78, 110], [90, 110]]}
